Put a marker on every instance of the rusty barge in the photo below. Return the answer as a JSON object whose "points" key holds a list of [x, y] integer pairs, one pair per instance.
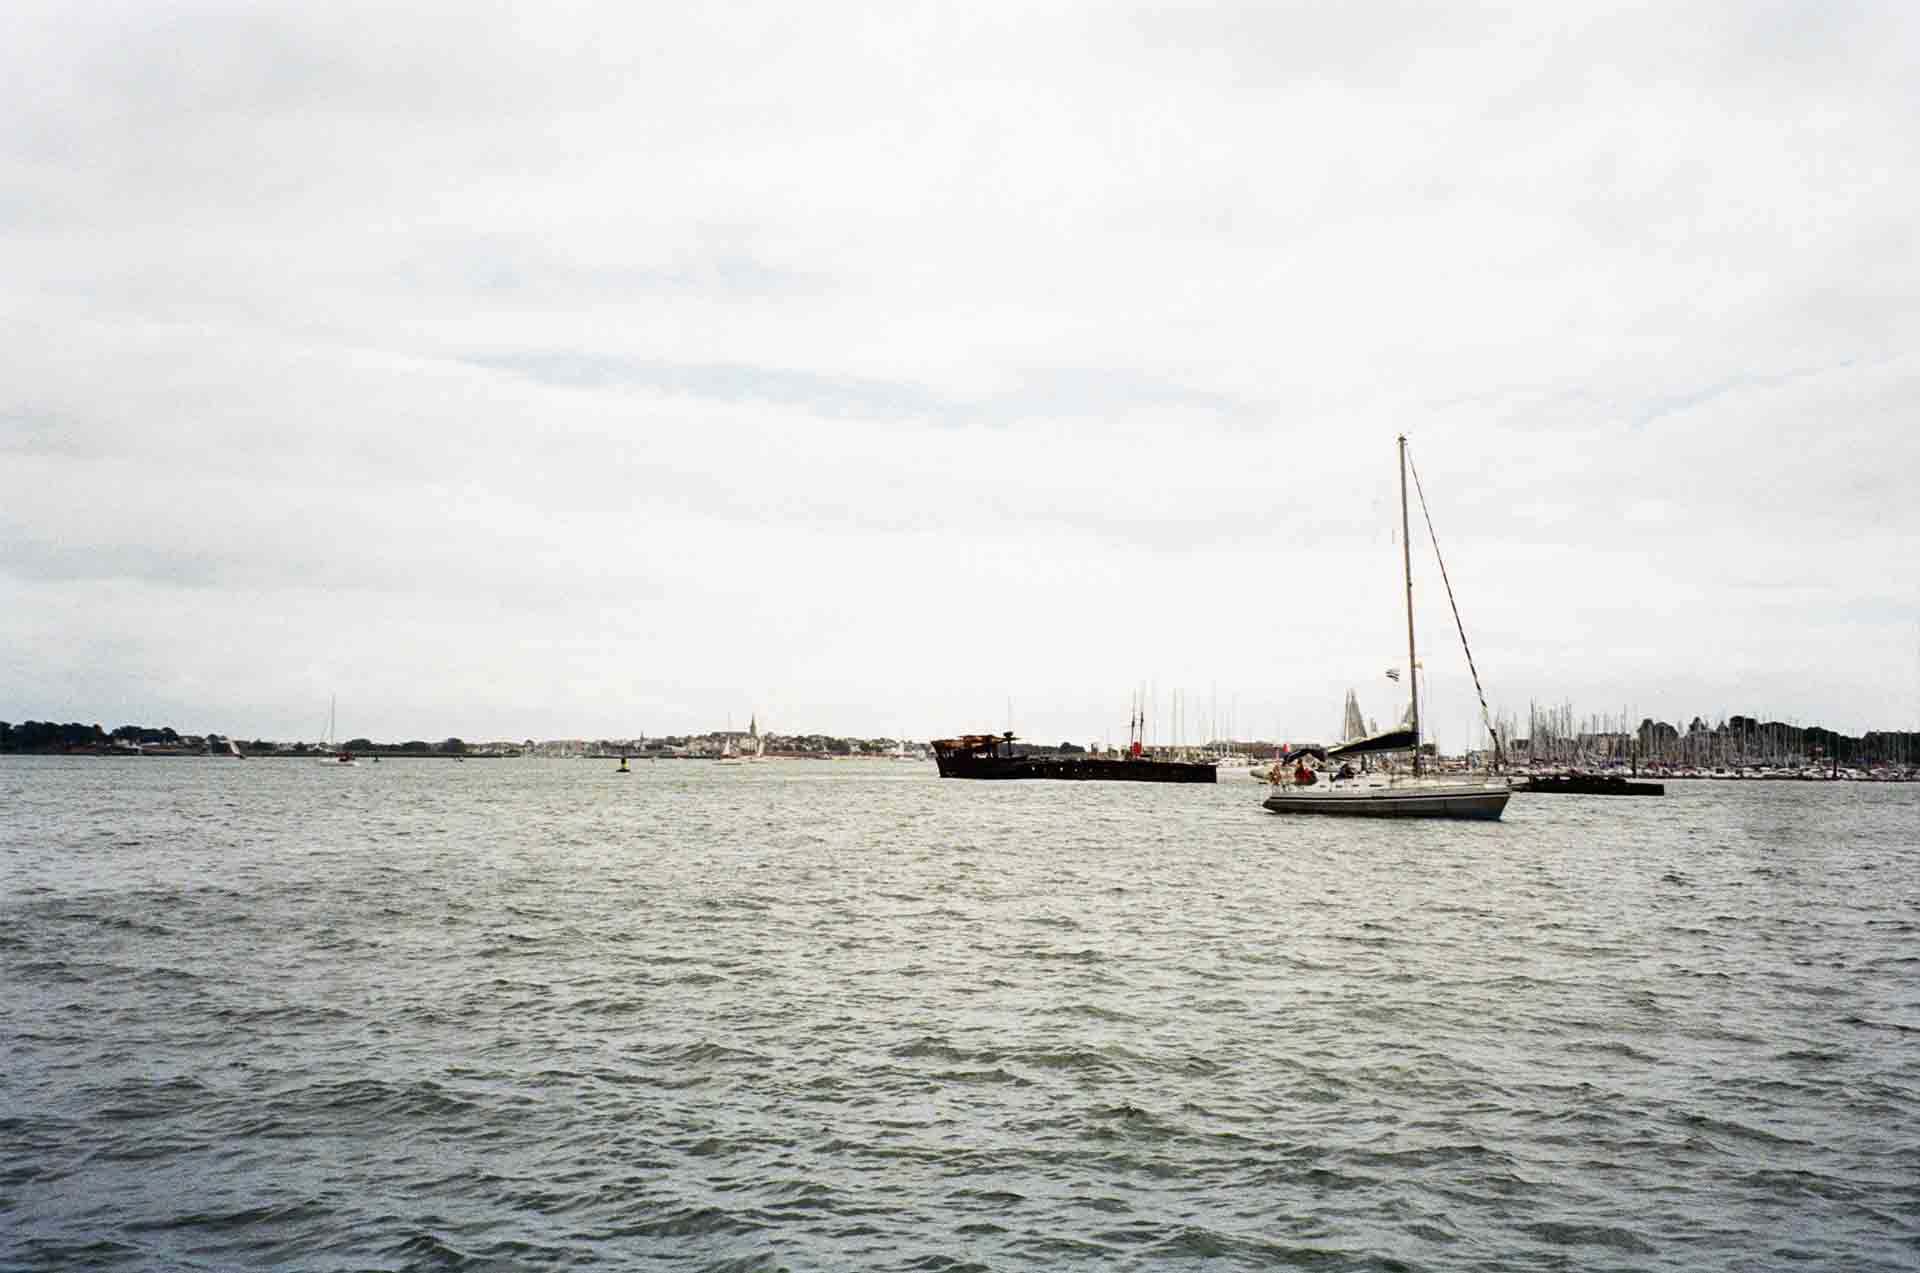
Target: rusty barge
{"points": [[994, 756], [1576, 784]]}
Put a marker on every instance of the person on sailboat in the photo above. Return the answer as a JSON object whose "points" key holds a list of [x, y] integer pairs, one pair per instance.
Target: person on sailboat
{"points": [[1303, 776]]}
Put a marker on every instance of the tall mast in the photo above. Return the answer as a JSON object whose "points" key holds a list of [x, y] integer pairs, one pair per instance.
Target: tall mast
{"points": [[1406, 563]]}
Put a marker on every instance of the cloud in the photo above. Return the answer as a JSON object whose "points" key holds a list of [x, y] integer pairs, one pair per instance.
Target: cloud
{"points": [[872, 366]]}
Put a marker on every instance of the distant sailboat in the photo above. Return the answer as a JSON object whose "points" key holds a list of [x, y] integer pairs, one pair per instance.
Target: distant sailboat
{"points": [[1354, 727], [341, 756]]}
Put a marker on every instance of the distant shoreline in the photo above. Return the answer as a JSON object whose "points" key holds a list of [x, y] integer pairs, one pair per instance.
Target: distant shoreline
{"points": [[1853, 777], [117, 753]]}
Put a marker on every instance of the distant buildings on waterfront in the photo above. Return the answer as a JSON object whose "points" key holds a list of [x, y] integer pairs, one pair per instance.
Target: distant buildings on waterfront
{"points": [[74, 738], [718, 743]]}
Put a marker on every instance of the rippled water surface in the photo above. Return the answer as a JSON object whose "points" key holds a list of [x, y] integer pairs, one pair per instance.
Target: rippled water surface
{"points": [[524, 1014]]}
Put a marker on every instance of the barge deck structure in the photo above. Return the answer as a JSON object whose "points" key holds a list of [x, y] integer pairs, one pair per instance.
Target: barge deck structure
{"points": [[993, 756]]}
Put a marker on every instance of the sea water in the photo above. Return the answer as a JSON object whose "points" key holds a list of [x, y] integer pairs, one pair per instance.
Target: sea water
{"points": [[521, 1014]]}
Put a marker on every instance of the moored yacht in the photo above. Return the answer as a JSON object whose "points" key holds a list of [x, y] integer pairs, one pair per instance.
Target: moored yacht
{"points": [[1391, 794]]}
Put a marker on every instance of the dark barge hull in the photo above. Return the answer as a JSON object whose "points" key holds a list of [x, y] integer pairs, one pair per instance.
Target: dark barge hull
{"points": [[1588, 785], [1073, 769]]}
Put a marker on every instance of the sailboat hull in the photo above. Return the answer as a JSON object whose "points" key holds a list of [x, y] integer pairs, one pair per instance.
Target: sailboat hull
{"points": [[1479, 804]]}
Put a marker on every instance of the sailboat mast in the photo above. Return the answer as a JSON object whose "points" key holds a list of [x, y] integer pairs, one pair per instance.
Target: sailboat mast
{"points": [[1406, 564]]}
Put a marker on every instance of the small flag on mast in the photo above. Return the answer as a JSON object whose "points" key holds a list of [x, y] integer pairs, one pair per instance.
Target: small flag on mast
{"points": [[1393, 674]]}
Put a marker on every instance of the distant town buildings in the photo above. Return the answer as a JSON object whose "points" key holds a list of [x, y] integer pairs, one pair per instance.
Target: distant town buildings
{"points": [[706, 746]]}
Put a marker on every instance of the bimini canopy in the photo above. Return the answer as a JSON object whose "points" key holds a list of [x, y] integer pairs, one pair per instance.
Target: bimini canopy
{"points": [[1311, 749], [1402, 739]]}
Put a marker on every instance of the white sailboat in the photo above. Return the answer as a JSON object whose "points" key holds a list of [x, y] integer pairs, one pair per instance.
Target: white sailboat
{"points": [[337, 756], [727, 756], [1388, 795], [1353, 727]]}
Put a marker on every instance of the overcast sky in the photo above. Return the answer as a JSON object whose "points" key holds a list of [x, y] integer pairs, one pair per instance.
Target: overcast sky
{"points": [[562, 370]]}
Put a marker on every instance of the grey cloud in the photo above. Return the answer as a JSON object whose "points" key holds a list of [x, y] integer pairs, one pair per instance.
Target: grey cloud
{"points": [[1060, 392]]}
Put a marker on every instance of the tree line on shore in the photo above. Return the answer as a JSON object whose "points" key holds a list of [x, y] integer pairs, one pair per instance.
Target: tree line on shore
{"points": [[49, 737], [74, 737]]}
